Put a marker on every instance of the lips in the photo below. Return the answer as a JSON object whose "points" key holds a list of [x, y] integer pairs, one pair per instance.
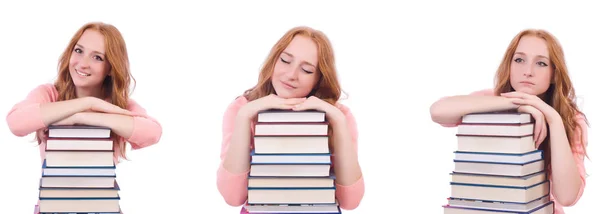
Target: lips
{"points": [[527, 83], [82, 73], [288, 85]]}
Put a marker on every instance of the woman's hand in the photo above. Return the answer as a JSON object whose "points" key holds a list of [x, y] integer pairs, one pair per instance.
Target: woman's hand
{"points": [[314, 103], [98, 105], [272, 101], [540, 110], [540, 130], [521, 98], [69, 121]]}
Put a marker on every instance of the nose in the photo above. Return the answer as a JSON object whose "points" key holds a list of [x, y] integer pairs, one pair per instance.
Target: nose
{"points": [[528, 71], [83, 63], [292, 74]]}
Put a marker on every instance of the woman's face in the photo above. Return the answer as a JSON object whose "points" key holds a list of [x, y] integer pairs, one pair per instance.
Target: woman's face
{"points": [[88, 66], [295, 73], [531, 70]]}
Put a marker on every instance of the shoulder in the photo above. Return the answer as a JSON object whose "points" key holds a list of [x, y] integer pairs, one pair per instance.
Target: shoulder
{"points": [[44, 91], [580, 138], [484, 92], [581, 122], [350, 120], [346, 111], [239, 101], [131, 104], [580, 119], [236, 104]]}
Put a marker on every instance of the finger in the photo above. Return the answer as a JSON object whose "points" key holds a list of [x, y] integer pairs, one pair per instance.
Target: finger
{"points": [[510, 94], [536, 132], [544, 130], [294, 101], [543, 133], [299, 107], [126, 112], [520, 101], [285, 106], [516, 94], [302, 107]]}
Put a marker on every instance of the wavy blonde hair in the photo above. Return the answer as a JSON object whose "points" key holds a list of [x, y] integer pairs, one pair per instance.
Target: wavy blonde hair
{"points": [[560, 95], [116, 86]]}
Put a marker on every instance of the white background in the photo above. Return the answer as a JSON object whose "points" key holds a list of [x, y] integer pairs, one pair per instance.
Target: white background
{"points": [[191, 61]]}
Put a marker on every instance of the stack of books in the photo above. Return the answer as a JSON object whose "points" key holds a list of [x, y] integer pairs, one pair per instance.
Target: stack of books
{"points": [[78, 173], [290, 168], [497, 167]]}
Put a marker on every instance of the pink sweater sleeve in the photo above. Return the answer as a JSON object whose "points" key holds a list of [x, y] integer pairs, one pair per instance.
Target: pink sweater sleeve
{"points": [[485, 92], [25, 117], [579, 154], [350, 196], [233, 187], [147, 131]]}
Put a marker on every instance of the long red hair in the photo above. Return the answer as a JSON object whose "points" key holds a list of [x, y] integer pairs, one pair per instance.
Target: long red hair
{"points": [[327, 88], [116, 86], [560, 95]]}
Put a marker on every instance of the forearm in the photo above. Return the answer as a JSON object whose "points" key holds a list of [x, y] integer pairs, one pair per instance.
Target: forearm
{"points": [[55, 111], [450, 110], [232, 180], [237, 158], [121, 125], [565, 176], [346, 166]]}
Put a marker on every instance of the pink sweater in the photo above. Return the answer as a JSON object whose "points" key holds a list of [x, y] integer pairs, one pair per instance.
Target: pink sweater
{"points": [[577, 149], [233, 187], [25, 118]]}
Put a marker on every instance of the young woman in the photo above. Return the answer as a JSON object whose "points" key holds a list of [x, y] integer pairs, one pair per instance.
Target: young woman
{"points": [[92, 88], [299, 74], [533, 78]]}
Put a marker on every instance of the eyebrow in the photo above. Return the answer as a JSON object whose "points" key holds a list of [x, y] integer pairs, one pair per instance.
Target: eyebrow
{"points": [[542, 56], [304, 61], [81, 46]]}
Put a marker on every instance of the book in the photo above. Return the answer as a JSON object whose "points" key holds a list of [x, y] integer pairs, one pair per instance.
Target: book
{"points": [[497, 168], [78, 171], [290, 167]]}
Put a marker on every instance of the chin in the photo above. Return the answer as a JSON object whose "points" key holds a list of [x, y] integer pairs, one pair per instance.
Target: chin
{"points": [[83, 84], [286, 95], [528, 91]]}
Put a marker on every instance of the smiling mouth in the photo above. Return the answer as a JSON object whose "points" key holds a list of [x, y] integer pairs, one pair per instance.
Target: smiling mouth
{"points": [[288, 85], [82, 74]]}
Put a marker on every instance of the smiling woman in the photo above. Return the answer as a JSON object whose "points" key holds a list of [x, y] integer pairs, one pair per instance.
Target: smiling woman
{"points": [[92, 88], [533, 78]]}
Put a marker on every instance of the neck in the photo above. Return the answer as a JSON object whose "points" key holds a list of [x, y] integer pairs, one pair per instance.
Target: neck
{"points": [[84, 92]]}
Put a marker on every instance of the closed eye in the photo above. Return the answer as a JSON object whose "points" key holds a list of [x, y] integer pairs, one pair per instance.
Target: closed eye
{"points": [[283, 60], [307, 71]]}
